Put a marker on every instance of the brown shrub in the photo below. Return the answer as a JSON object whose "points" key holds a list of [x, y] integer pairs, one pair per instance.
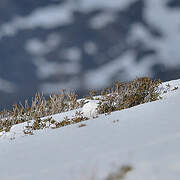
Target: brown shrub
{"points": [[120, 96], [126, 95]]}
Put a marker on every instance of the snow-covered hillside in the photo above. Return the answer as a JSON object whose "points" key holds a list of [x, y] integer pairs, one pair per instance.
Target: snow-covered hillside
{"points": [[146, 137]]}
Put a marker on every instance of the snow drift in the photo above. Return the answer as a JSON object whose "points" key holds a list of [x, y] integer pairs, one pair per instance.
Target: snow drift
{"points": [[145, 137]]}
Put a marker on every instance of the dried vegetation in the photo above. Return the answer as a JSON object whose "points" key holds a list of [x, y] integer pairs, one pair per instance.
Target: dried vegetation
{"points": [[126, 95], [120, 174], [120, 96]]}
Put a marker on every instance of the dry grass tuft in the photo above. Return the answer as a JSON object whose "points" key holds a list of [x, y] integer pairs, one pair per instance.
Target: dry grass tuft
{"points": [[120, 96], [40, 107], [126, 95], [120, 173], [82, 125], [39, 123]]}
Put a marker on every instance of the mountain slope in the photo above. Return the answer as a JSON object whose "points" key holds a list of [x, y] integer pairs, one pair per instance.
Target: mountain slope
{"points": [[145, 137]]}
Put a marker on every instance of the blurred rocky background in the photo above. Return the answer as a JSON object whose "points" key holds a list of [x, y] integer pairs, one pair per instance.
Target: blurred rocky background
{"points": [[49, 45]]}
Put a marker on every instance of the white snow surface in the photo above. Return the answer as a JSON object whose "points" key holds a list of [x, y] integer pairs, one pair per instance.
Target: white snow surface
{"points": [[56, 15], [146, 137]]}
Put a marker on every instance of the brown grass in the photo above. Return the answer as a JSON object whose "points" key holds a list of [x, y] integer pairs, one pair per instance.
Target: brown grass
{"points": [[120, 174], [120, 96]]}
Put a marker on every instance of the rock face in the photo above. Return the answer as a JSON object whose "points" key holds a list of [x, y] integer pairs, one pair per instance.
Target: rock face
{"points": [[48, 45]]}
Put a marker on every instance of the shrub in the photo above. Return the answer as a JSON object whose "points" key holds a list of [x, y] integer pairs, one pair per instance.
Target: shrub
{"points": [[126, 95], [120, 173], [120, 96], [40, 107]]}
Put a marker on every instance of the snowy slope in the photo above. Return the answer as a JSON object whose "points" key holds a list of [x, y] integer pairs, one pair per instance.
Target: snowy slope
{"points": [[146, 137]]}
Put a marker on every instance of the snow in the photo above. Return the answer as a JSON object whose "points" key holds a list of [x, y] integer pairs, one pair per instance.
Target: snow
{"points": [[160, 18], [46, 17], [145, 136], [167, 22], [73, 54], [88, 5], [90, 48], [56, 15], [126, 63], [156, 15], [46, 68], [39, 48], [102, 20]]}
